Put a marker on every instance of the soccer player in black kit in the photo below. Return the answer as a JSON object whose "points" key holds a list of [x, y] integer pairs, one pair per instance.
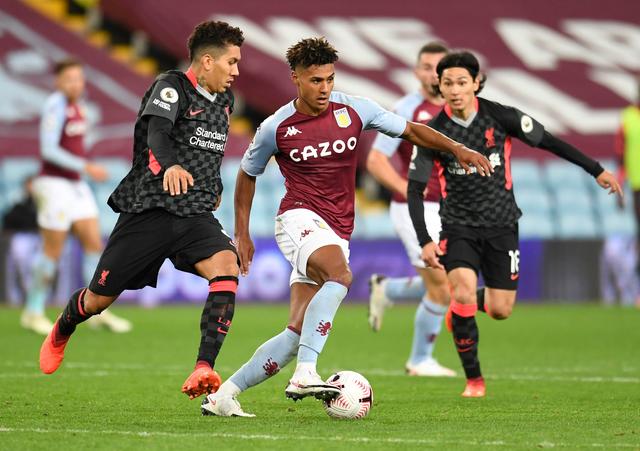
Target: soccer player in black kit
{"points": [[479, 214], [166, 202]]}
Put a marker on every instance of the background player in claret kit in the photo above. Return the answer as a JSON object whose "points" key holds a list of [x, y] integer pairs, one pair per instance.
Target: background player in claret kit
{"points": [[313, 139], [64, 201], [166, 200], [419, 106], [479, 214]]}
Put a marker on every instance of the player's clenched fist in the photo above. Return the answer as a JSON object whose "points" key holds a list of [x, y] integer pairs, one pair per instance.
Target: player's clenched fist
{"points": [[176, 180], [245, 248]]}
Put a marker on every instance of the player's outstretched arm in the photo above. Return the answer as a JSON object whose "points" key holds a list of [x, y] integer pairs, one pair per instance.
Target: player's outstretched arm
{"points": [[424, 136], [565, 150], [243, 198], [430, 250]]}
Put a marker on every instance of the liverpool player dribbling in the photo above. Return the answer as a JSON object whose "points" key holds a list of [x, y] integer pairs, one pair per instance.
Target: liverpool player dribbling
{"points": [[479, 214], [313, 139], [166, 200]]}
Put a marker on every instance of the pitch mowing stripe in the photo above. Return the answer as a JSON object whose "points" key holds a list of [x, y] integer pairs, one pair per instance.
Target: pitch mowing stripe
{"points": [[117, 370], [389, 440]]}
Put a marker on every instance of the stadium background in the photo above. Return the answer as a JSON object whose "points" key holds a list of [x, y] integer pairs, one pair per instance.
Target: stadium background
{"points": [[573, 71]]}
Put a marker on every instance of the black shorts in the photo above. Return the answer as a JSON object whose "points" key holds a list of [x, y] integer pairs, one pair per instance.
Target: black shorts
{"points": [[140, 242], [493, 251]]}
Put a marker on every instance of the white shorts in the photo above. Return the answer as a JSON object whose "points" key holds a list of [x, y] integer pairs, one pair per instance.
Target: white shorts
{"points": [[61, 202], [299, 233], [399, 212]]}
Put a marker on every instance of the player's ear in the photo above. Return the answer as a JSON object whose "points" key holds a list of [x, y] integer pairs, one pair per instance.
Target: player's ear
{"points": [[294, 78]]}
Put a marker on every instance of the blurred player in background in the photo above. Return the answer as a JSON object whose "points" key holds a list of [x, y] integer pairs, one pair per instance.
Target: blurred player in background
{"points": [[166, 202], [64, 201], [628, 150], [419, 106], [313, 139], [479, 214]]}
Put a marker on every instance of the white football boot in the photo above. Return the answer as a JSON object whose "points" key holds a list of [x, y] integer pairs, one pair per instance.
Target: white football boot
{"points": [[378, 301], [223, 406], [429, 368], [112, 322], [36, 322], [306, 382]]}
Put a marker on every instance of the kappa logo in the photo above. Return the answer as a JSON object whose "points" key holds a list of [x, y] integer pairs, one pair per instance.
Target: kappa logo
{"points": [[270, 367], [342, 117], [292, 131], [103, 277]]}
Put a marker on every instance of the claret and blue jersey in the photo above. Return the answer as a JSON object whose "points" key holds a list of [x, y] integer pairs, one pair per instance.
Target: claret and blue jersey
{"points": [[317, 154]]}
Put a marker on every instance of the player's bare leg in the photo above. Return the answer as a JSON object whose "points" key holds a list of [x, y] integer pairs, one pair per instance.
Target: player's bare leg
{"points": [[427, 325], [266, 361], [499, 303], [82, 305], [88, 233], [464, 283], [221, 270], [327, 266], [43, 271]]}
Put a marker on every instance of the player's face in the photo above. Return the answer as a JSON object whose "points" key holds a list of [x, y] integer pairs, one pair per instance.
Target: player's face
{"points": [[426, 71], [458, 88], [221, 70], [314, 84], [71, 82]]}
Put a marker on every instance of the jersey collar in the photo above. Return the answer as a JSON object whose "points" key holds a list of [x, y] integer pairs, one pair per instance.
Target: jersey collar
{"points": [[206, 94], [457, 120]]}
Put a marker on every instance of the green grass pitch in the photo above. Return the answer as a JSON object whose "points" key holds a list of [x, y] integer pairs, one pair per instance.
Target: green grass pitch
{"points": [[557, 377]]}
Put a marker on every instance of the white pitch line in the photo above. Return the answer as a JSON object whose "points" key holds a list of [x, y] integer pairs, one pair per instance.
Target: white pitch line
{"points": [[341, 439], [108, 369]]}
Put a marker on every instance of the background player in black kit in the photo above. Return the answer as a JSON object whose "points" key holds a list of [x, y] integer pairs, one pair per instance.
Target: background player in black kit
{"points": [[479, 214], [165, 201]]}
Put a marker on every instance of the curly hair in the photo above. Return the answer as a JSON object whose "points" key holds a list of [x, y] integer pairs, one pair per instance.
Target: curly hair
{"points": [[310, 52], [465, 60], [213, 34]]}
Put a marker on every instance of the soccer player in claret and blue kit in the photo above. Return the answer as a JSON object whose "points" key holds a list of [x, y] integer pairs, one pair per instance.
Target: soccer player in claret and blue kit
{"points": [[166, 202], [479, 214], [314, 140]]}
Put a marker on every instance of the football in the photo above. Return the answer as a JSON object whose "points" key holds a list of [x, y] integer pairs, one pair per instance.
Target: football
{"points": [[355, 398]]}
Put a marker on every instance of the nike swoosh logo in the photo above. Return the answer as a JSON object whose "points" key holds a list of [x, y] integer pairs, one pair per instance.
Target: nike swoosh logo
{"points": [[514, 276], [193, 113]]}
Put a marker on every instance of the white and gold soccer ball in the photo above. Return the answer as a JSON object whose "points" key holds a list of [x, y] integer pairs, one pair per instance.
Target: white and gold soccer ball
{"points": [[355, 398]]}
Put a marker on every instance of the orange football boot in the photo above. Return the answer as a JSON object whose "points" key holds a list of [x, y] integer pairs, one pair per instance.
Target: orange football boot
{"points": [[203, 380], [51, 355], [475, 388]]}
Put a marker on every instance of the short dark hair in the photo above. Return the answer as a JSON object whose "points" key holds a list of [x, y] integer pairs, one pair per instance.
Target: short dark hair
{"points": [[433, 47], [310, 52], [465, 60], [213, 34], [64, 64]]}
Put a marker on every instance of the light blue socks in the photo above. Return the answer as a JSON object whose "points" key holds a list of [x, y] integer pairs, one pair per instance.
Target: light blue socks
{"points": [[90, 262], [268, 359], [399, 288], [318, 320], [427, 326], [43, 271]]}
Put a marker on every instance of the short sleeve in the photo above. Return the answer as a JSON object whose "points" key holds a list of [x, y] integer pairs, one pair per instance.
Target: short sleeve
{"points": [[386, 144], [518, 124], [421, 164], [163, 101], [262, 148], [373, 116]]}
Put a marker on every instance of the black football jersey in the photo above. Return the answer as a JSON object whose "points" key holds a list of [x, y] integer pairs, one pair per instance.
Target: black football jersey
{"points": [[200, 129], [473, 200]]}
